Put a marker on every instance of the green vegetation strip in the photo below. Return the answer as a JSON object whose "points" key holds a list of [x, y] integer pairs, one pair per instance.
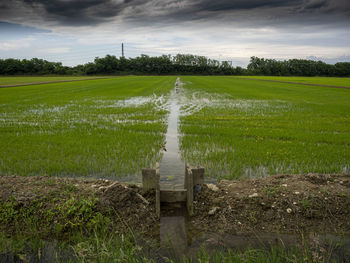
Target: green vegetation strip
{"points": [[108, 127], [317, 81], [26, 81], [247, 128]]}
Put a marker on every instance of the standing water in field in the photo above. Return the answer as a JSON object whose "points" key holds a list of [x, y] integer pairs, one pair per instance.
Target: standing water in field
{"points": [[172, 168]]}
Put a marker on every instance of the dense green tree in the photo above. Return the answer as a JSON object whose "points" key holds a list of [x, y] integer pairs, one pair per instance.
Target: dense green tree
{"points": [[296, 67], [178, 64]]}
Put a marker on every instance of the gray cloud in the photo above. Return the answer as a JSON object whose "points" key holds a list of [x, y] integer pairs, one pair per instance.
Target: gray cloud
{"points": [[75, 13], [93, 12], [11, 29], [237, 29]]}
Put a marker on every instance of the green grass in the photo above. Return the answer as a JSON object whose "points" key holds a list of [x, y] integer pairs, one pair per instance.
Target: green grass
{"points": [[109, 127], [345, 82], [30, 80], [238, 127], [104, 246], [70, 224]]}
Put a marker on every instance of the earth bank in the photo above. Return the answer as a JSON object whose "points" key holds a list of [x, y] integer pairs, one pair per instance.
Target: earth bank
{"points": [[280, 203]]}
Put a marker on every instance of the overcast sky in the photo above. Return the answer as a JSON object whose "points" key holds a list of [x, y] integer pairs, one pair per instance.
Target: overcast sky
{"points": [[76, 31]]}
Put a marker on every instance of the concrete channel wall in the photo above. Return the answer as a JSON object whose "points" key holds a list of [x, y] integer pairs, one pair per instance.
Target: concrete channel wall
{"points": [[194, 175]]}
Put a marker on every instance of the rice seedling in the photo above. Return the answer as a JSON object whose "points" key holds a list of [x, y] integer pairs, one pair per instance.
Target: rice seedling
{"points": [[101, 128], [310, 80], [6, 81], [250, 128], [9, 81]]}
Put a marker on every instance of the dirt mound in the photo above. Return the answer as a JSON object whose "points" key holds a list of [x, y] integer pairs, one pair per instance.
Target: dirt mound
{"points": [[127, 204], [281, 203]]}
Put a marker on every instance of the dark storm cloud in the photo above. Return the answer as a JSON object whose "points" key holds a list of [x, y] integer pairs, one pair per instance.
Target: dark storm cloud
{"points": [[317, 5], [207, 5], [75, 13], [92, 12]]}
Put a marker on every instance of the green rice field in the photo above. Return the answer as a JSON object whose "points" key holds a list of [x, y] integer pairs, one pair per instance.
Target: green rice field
{"points": [[7, 81], [345, 82], [233, 127], [108, 127], [251, 128]]}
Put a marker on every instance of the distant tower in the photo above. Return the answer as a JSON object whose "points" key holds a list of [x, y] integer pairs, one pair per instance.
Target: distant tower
{"points": [[122, 49]]}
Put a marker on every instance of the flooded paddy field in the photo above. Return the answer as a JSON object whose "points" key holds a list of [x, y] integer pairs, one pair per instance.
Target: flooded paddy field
{"points": [[340, 82], [245, 128], [21, 80], [72, 152], [100, 128]]}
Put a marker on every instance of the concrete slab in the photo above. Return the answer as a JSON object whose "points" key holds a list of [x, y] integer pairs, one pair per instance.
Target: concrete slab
{"points": [[173, 196]]}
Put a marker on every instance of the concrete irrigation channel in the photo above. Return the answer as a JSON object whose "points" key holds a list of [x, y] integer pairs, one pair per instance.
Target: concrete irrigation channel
{"points": [[172, 166]]}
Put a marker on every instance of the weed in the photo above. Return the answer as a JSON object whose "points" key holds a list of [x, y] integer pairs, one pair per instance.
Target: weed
{"points": [[50, 182], [253, 217], [272, 190], [305, 203]]}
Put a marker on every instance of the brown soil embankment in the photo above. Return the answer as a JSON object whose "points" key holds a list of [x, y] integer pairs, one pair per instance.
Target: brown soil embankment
{"points": [[280, 203], [130, 206]]}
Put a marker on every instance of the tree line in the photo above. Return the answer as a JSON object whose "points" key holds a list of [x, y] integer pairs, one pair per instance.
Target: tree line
{"points": [[178, 64], [297, 67]]}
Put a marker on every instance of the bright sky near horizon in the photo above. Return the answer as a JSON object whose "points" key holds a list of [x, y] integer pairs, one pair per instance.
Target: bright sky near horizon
{"points": [[77, 31]]}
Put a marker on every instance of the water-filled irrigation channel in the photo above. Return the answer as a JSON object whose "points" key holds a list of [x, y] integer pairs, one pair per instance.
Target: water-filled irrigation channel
{"points": [[172, 168]]}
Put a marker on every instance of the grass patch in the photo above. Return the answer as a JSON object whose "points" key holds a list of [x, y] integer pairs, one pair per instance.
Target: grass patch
{"points": [[272, 190]]}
